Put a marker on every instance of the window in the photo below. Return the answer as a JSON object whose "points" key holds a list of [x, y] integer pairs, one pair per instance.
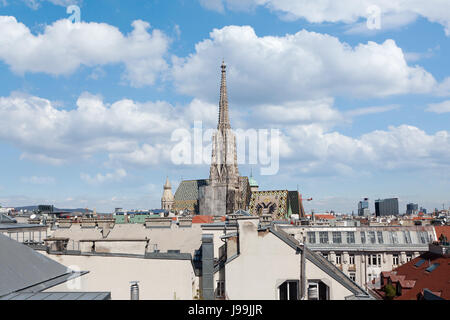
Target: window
{"points": [[423, 237], [289, 290], [323, 235], [408, 257], [374, 260], [372, 237], [363, 237], [337, 237], [432, 267], [338, 258], [220, 289], [419, 263], [393, 236], [313, 291], [395, 259], [380, 236], [311, 237], [351, 259], [325, 255], [350, 237], [407, 236], [317, 290], [352, 275]]}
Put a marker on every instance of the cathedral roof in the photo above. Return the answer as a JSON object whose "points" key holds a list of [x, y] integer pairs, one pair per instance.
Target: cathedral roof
{"points": [[188, 189]]}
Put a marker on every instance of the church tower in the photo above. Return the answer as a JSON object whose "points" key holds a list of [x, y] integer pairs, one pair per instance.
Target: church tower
{"points": [[167, 198], [222, 195], [224, 168]]}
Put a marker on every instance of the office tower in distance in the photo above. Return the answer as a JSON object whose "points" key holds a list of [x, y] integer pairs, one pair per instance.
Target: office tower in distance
{"points": [[363, 208], [386, 207], [412, 208]]}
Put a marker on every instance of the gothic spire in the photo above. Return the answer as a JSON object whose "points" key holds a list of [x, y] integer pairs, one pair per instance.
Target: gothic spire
{"points": [[167, 184], [224, 120]]}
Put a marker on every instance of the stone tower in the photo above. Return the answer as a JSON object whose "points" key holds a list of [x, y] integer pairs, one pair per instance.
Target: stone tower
{"points": [[222, 195], [167, 198], [224, 168]]}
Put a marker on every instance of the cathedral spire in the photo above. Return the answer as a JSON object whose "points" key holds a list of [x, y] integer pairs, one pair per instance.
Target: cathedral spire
{"points": [[224, 120]]}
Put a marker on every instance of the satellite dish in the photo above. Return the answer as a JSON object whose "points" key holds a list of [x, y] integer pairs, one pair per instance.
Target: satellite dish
{"points": [[32, 216]]}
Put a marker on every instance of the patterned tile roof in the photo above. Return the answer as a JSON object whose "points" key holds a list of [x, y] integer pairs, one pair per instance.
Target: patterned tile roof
{"points": [[188, 189]]}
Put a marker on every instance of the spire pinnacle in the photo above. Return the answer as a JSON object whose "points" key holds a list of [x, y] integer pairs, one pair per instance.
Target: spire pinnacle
{"points": [[167, 184], [224, 121]]}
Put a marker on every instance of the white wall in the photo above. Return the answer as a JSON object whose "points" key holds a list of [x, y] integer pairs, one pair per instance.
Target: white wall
{"points": [[158, 279], [264, 263]]}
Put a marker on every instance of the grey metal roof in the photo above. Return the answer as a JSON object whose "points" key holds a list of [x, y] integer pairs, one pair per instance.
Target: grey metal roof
{"points": [[10, 226], [57, 296], [6, 219], [22, 267]]}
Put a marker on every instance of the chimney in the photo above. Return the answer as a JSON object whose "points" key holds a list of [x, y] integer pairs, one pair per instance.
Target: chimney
{"points": [[208, 267], [134, 290]]}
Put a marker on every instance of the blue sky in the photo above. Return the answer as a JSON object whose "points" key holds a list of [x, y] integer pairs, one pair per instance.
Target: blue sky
{"points": [[87, 109]]}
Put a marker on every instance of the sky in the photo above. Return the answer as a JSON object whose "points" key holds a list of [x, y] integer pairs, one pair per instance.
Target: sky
{"points": [[92, 93]]}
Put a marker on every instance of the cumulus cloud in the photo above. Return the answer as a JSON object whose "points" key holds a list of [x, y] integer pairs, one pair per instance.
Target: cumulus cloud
{"points": [[305, 65], [319, 111], [99, 178], [442, 107], [47, 133], [131, 133], [401, 147], [36, 4], [371, 110], [64, 46], [348, 11]]}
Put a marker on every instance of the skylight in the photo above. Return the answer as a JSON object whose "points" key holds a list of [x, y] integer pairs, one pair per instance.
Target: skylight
{"points": [[432, 267], [419, 263]]}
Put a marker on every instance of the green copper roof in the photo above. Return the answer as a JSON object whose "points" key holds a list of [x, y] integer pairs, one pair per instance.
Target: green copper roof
{"points": [[252, 182]]}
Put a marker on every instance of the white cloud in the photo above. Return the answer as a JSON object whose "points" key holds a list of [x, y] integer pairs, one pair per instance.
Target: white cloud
{"points": [[47, 133], [215, 5], [318, 111], [305, 65], [443, 89], [401, 147], [145, 155], [371, 110], [64, 46], [99, 178], [36, 4], [442, 107], [350, 11], [388, 21]]}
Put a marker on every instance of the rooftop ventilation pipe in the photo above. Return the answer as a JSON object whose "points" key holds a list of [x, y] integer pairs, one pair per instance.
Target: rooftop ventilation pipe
{"points": [[134, 290]]}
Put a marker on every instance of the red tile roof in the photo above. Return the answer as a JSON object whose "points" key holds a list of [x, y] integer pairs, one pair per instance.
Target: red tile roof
{"points": [[323, 216], [417, 278], [202, 219], [422, 218], [445, 230]]}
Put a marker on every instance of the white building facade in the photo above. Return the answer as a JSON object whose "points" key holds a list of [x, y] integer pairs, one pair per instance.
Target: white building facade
{"points": [[363, 252]]}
